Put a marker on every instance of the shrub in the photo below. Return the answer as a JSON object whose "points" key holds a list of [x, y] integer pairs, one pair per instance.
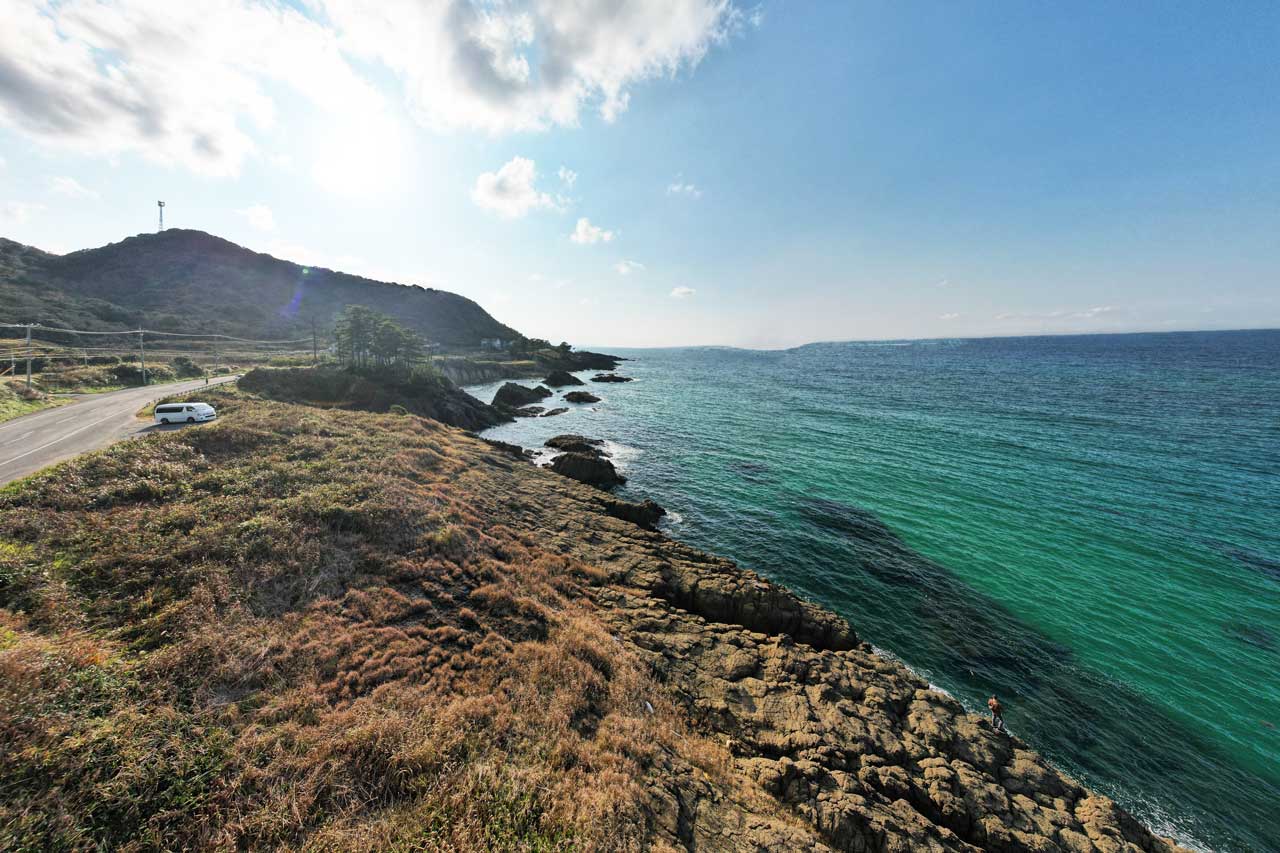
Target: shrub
{"points": [[184, 367]]}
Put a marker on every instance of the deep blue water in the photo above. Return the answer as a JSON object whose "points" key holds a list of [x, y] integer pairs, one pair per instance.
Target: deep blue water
{"points": [[1086, 526]]}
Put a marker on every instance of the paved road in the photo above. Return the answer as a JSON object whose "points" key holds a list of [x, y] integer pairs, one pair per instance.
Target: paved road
{"points": [[33, 441]]}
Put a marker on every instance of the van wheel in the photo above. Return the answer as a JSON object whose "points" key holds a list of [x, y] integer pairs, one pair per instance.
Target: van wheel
{"points": [[164, 420], [191, 420]]}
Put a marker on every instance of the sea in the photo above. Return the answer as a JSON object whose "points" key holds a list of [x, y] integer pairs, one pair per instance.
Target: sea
{"points": [[1086, 526]]}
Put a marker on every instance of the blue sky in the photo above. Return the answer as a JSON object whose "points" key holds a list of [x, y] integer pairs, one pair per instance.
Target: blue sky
{"points": [[753, 175]]}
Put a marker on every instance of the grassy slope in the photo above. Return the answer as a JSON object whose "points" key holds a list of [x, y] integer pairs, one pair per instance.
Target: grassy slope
{"points": [[302, 634], [14, 404]]}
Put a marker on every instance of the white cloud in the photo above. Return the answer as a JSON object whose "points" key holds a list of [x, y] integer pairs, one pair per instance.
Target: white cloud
{"points": [[678, 187], [71, 188], [585, 233], [949, 317], [628, 267], [530, 64], [510, 191], [682, 292], [1083, 314], [180, 83], [20, 212], [259, 216], [567, 176]]}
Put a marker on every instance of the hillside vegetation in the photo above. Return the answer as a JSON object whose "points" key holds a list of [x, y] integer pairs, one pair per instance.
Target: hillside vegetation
{"points": [[420, 392], [181, 280], [303, 628]]}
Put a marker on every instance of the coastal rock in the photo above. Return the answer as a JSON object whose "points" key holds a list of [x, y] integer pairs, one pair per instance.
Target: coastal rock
{"points": [[560, 378], [646, 514], [581, 397], [511, 395], [610, 377], [576, 444], [577, 360], [528, 411], [586, 468], [554, 412]]}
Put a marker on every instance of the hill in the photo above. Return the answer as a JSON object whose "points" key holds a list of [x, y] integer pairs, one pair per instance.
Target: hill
{"points": [[301, 628], [190, 281]]}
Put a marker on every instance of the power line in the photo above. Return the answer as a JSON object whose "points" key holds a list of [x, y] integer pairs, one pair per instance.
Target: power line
{"points": [[150, 332]]}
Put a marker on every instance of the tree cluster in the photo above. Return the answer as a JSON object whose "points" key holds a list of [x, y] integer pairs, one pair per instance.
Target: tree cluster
{"points": [[368, 338]]}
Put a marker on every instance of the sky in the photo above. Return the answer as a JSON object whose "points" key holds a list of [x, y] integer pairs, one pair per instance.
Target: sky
{"points": [[676, 172]]}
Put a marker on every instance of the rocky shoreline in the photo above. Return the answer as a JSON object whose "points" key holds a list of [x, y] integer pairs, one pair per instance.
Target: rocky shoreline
{"points": [[862, 753], [866, 752]]}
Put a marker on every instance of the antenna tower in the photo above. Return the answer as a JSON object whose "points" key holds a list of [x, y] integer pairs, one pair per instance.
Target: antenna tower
{"points": [[160, 204]]}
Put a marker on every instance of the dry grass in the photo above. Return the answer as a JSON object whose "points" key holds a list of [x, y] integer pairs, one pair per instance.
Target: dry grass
{"points": [[307, 636]]}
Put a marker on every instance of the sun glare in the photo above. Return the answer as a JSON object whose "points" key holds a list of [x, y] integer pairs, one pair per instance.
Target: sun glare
{"points": [[364, 157]]}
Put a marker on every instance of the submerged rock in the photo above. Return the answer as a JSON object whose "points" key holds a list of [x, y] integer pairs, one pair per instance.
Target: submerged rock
{"points": [[610, 377], [512, 395], [594, 470], [581, 397], [560, 378], [528, 411], [555, 412]]}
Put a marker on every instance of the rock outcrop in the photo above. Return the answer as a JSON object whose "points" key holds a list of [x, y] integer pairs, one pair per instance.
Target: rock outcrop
{"points": [[610, 377], [374, 390], [560, 378], [554, 412], [592, 469], [512, 395], [581, 397], [576, 443], [646, 514]]}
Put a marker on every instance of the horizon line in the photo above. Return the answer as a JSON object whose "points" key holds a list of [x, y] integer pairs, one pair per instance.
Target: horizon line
{"points": [[595, 347]]}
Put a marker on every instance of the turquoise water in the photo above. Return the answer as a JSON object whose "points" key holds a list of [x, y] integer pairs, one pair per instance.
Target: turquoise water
{"points": [[1086, 526]]}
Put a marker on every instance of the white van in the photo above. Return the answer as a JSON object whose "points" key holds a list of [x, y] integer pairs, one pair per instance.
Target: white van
{"points": [[180, 413]]}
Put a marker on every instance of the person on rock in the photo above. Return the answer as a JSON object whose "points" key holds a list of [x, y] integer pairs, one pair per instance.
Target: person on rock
{"points": [[997, 715]]}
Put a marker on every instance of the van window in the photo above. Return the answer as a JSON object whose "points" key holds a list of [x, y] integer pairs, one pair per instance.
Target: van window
{"points": [[190, 408], [167, 410]]}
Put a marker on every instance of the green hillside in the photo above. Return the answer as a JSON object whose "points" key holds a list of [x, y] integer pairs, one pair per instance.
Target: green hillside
{"points": [[181, 280]]}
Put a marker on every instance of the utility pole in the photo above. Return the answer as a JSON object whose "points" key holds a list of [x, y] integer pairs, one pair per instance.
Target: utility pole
{"points": [[142, 354], [28, 356], [160, 204]]}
